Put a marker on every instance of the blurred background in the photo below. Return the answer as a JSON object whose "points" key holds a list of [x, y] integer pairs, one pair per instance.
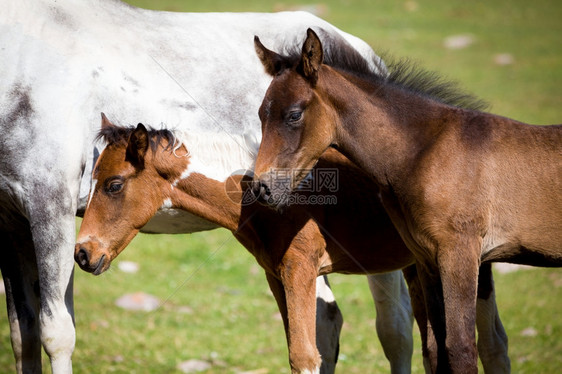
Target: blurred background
{"points": [[204, 300]]}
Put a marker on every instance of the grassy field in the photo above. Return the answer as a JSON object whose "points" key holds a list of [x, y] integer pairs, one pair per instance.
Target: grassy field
{"points": [[215, 303]]}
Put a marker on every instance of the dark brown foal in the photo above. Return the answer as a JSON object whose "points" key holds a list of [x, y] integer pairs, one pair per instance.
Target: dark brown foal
{"points": [[461, 186]]}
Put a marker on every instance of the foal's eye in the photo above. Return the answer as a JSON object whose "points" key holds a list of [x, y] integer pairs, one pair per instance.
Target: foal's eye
{"points": [[115, 187], [294, 117]]}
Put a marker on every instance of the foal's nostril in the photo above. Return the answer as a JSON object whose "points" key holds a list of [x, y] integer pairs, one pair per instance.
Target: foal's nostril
{"points": [[265, 191], [82, 257], [255, 187], [260, 190]]}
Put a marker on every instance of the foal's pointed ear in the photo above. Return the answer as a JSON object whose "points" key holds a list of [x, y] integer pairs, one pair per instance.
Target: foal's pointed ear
{"points": [[312, 56], [105, 123], [137, 147], [272, 62]]}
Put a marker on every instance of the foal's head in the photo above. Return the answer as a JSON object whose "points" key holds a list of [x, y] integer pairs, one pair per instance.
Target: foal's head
{"points": [[129, 184], [297, 124], [317, 97]]}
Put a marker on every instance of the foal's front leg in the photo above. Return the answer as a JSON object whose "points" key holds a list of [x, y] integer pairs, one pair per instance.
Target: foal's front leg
{"points": [[459, 278], [450, 292], [331, 321], [299, 281]]}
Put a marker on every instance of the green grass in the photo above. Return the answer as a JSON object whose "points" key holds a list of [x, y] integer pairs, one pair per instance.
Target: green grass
{"points": [[233, 318]]}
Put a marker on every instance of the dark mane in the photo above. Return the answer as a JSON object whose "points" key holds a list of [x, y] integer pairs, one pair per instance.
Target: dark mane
{"points": [[118, 135], [402, 73]]}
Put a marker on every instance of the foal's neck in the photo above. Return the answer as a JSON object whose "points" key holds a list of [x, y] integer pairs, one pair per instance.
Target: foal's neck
{"points": [[385, 130], [198, 194]]}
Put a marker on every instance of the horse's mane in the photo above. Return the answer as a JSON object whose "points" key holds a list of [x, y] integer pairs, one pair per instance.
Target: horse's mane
{"points": [[119, 135], [402, 73]]}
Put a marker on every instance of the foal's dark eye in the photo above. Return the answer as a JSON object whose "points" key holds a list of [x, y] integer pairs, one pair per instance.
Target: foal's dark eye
{"points": [[115, 187], [294, 116]]}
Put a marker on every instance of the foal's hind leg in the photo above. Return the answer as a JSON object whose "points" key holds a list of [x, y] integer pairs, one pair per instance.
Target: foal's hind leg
{"points": [[415, 288], [19, 271], [492, 339], [394, 319]]}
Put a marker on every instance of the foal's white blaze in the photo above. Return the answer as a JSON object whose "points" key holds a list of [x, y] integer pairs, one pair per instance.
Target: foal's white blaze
{"points": [[92, 189], [89, 238]]}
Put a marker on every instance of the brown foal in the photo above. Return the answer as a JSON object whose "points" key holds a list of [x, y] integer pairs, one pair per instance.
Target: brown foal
{"points": [[461, 186]]}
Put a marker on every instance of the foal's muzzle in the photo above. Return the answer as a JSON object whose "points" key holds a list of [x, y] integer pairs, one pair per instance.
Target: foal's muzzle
{"points": [[261, 191], [84, 259], [268, 192]]}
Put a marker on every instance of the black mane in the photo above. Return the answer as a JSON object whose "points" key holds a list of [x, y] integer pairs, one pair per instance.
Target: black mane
{"points": [[401, 73], [118, 135]]}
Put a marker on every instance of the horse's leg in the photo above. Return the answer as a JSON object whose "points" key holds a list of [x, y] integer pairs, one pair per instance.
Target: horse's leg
{"points": [[53, 233], [415, 289], [492, 339], [458, 264], [394, 319], [434, 324], [19, 271], [329, 321], [299, 350], [278, 292], [299, 281]]}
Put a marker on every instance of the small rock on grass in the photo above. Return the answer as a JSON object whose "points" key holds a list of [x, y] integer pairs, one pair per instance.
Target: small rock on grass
{"points": [[504, 59], [458, 41], [504, 267], [128, 267], [138, 301], [529, 331], [194, 366]]}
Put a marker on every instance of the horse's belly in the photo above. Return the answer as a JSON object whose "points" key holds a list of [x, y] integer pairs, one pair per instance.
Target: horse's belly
{"points": [[175, 221], [521, 254]]}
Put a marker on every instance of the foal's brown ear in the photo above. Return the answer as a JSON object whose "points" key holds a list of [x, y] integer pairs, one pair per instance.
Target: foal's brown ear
{"points": [[312, 56], [272, 62], [137, 147], [105, 122]]}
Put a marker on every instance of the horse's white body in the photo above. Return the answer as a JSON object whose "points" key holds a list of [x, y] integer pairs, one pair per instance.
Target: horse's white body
{"points": [[61, 64]]}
